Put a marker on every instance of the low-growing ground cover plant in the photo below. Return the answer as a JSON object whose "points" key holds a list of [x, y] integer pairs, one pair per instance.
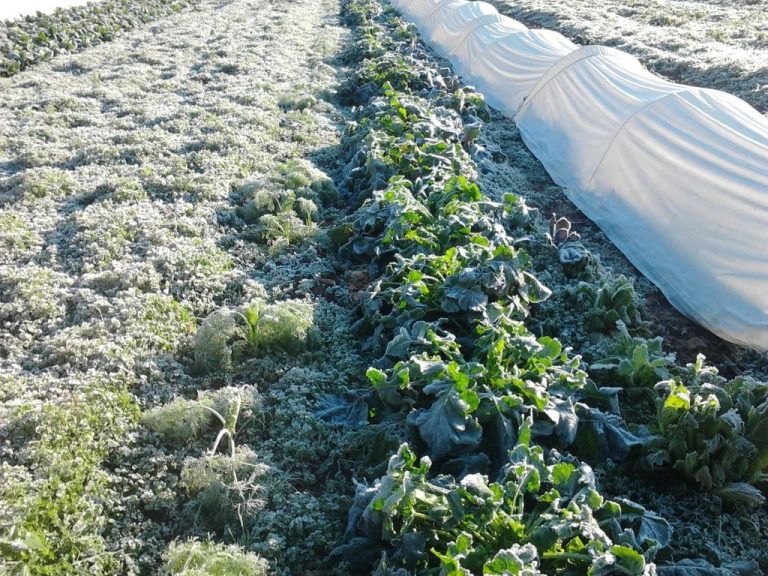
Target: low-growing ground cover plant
{"points": [[121, 232], [714, 433], [206, 558], [255, 328], [53, 487]]}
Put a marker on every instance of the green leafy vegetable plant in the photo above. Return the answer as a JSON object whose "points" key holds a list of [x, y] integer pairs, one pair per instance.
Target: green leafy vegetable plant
{"points": [[715, 436], [635, 362], [571, 252], [541, 515], [606, 305], [34, 39], [457, 366]]}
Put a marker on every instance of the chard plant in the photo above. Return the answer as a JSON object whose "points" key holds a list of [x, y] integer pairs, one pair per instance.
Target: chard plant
{"points": [[570, 250]]}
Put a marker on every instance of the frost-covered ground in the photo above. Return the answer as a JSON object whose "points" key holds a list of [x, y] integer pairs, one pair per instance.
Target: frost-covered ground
{"points": [[129, 179], [120, 230], [718, 44]]}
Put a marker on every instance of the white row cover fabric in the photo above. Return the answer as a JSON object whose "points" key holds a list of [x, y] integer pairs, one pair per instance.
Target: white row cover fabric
{"points": [[435, 17], [455, 21], [510, 67], [420, 11], [676, 176], [469, 52]]}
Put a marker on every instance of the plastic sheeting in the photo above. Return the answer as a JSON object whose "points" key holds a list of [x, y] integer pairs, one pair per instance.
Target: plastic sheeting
{"points": [[676, 176]]}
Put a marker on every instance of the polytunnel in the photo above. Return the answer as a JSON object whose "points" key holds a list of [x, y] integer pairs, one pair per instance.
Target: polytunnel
{"points": [[457, 20], [508, 69], [676, 176], [478, 38]]}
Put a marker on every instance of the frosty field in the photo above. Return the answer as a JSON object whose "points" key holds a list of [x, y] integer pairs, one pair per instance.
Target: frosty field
{"points": [[278, 295]]}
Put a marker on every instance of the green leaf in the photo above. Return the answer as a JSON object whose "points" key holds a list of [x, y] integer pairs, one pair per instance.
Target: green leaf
{"points": [[446, 426], [647, 525], [533, 290], [640, 356], [377, 377], [679, 399], [632, 561], [552, 348], [513, 561], [562, 473], [457, 551]]}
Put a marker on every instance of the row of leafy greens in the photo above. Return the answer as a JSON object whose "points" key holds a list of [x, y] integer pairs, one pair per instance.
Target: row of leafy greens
{"points": [[476, 393], [456, 362], [38, 38]]}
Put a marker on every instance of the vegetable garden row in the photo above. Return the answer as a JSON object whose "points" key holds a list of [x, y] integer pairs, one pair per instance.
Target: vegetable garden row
{"points": [[35, 39], [480, 393], [398, 367]]}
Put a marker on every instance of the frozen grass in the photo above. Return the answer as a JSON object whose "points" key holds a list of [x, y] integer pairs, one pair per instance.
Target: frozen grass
{"points": [[120, 230], [722, 45]]}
